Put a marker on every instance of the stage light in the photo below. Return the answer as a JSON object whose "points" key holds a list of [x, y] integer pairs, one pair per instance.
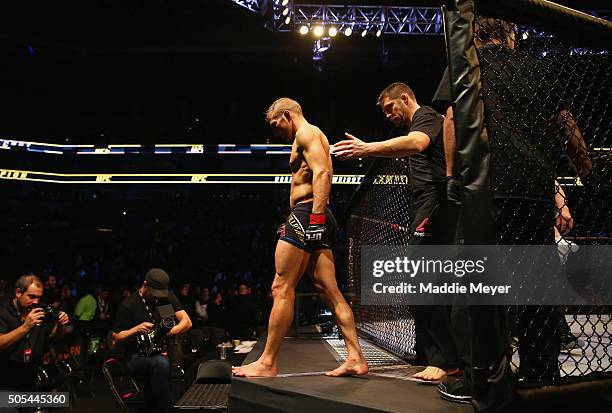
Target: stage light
{"points": [[333, 31], [304, 30], [286, 11], [378, 32], [287, 19], [321, 45], [318, 31], [284, 3], [348, 31], [364, 32], [525, 36]]}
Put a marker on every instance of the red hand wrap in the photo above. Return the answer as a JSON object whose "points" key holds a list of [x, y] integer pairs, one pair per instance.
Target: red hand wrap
{"points": [[317, 219]]}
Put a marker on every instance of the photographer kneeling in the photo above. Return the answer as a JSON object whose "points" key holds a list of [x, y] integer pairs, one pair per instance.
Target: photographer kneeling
{"points": [[26, 326], [143, 322]]}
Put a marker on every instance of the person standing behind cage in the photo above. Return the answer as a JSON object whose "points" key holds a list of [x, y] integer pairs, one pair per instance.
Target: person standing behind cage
{"points": [[564, 222], [523, 127], [434, 220]]}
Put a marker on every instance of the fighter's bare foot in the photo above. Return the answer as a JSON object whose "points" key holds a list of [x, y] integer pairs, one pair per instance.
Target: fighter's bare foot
{"points": [[255, 369], [432, 373], [350, 368]]}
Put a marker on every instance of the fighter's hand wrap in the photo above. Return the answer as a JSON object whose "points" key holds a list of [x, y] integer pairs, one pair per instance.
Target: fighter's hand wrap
{"points": [[316, 229]]}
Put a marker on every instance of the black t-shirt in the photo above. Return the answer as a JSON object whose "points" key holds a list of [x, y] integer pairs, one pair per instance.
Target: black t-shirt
{"points": [[519, 106], [428, 168], [17, 372], [133, 311]]}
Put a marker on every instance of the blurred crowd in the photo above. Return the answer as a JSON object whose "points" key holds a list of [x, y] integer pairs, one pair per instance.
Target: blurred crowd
{"points": [[218, 250]]}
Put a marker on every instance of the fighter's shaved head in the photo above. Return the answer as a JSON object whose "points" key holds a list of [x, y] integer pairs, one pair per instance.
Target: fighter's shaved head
{"points": [[281, 105]]}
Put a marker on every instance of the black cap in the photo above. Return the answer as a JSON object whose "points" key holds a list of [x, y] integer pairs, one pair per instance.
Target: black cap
{"points": [[157, 281]]}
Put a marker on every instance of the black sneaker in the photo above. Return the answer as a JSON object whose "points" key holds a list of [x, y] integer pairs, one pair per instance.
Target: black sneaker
{"points": [[455, 391]]}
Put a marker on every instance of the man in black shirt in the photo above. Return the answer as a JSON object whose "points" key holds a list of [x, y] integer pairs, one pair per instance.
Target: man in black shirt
{"points": [[139, 314], [25, 334], [434, 220]]}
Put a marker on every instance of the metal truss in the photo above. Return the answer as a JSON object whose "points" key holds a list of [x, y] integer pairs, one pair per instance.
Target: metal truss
{"points": [[286, 16], [390, 20]]}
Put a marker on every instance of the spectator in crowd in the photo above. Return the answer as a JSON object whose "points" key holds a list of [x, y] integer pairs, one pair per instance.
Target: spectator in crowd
{"points": [[200, 307], [52, 294], [242, 314], [103, 312], [84, 314], [187, 301], [216, 312], [67, 299]]}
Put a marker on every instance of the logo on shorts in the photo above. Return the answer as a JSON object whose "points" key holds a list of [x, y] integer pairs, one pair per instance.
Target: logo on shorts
{"points": [[423, 229], [297, 227]]}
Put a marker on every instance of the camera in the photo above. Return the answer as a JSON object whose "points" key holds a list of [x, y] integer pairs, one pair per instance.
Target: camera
{"points": [[153, 341], [51, 313]]}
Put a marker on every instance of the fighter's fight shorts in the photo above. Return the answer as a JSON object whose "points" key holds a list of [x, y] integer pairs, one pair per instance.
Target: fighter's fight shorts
{"points": [[292, 230]]}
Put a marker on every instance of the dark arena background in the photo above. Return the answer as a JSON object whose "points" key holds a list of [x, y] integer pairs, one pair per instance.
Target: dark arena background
{"points": [[133, 136]]}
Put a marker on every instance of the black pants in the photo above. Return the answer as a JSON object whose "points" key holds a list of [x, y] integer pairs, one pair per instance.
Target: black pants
{"points": [[155, 370], [434, 224]]}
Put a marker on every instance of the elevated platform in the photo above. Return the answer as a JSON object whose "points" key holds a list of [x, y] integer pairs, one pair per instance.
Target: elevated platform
{"points": [[302, 386]]}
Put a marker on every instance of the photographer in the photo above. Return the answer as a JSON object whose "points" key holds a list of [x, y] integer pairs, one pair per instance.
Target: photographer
{"points": [[139, 315], [25, 329]]}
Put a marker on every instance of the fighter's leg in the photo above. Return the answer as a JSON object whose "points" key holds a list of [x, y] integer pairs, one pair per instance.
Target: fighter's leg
{"points": [[323, 273], [290, 262]]}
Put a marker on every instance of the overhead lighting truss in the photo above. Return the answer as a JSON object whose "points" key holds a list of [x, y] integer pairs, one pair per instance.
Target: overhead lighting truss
{"points": [[286, 16], [390, 20]]}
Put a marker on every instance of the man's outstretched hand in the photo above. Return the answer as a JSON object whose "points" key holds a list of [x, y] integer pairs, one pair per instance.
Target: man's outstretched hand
{"points": [[350, 148]]}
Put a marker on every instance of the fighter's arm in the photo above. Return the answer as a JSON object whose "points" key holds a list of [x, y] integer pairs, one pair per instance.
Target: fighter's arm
{"points": [[573, 143], [319, 162], [411, 144]]}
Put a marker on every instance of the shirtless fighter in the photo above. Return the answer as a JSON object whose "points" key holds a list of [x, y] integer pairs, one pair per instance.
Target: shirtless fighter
{"points": [[305, 242]]}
